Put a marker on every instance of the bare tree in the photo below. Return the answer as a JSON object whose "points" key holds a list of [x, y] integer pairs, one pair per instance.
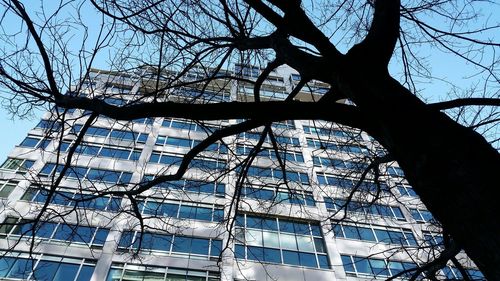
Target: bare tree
{"points": [[173, 45]]}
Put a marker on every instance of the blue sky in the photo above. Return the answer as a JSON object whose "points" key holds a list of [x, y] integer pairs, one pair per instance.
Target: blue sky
{"points": [[444, 67]]}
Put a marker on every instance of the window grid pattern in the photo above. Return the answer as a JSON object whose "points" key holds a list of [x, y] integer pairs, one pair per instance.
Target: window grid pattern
{"points": [[289, 124], [171, 244], [393, 212], [48, 125], [278, 93], [127, 272], [345, 183], [190, 126], [199, 163], [403, 237], [329, 132], [294, 156], [277, 174], [72, 198], [281, 196], [90, 174], [6, 187], [364, 267], [283, 140], [406, 190], [47, 268], [346, 148], [116, 134], [198, 95], [433, 239], [17, 165], [452, 273], [319, 161], [395, 172], [182, 210], [35, 142], [104, 151], [195, 186], [280, 241], [188, 143], [54, 232], [421, 215]]}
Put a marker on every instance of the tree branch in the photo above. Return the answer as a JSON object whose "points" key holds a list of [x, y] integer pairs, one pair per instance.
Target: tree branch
{"points": [[377, 47], [465, 102]]}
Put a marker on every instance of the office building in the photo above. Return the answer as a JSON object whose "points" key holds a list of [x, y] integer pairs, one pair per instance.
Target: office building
{"points": [[212, 224]]}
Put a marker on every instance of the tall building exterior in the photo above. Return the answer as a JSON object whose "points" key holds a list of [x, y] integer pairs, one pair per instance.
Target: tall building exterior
{"points": [[273, 224]]}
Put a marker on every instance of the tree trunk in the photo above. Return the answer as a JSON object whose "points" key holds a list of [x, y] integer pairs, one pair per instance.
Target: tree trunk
{"points": [[452, 168]]}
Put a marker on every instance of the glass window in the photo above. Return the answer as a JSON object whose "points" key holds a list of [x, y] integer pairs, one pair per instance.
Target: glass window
{"points": [[351, 232], [366, 234], [308, 260], [272, 255], [271, 239], [362, 265], [347, 262], [216, 247], [294, 240], [254, 237], [305, 243], [6, 187], [291, 257], [21, 268], [379, 267], [199, 246]]}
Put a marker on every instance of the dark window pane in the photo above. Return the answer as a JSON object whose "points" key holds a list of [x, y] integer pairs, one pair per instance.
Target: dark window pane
{"points": [[85, 273], [182, 244], [323, 261], [126, 239], [161, 242], [290, 257], [29, 142], [286, 226], [351, 232], [379, 267], [308, 260], [362, 265], [366, 234], [216, 247], [337, 230], [254, 222], [66, 272], [218, 215], [199, 246], [269, 224], [187, 212], [5, 265], [398, 213], [100, 236], [239, 252], [21, 269], [272, 255], [320, 246], [203, 214], [170, 210], [255, 253], [382, 235], [46, 270], [348, 265]]}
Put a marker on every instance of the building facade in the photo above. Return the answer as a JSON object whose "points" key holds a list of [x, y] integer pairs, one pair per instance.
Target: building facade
{"points": [[289, 218]]}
